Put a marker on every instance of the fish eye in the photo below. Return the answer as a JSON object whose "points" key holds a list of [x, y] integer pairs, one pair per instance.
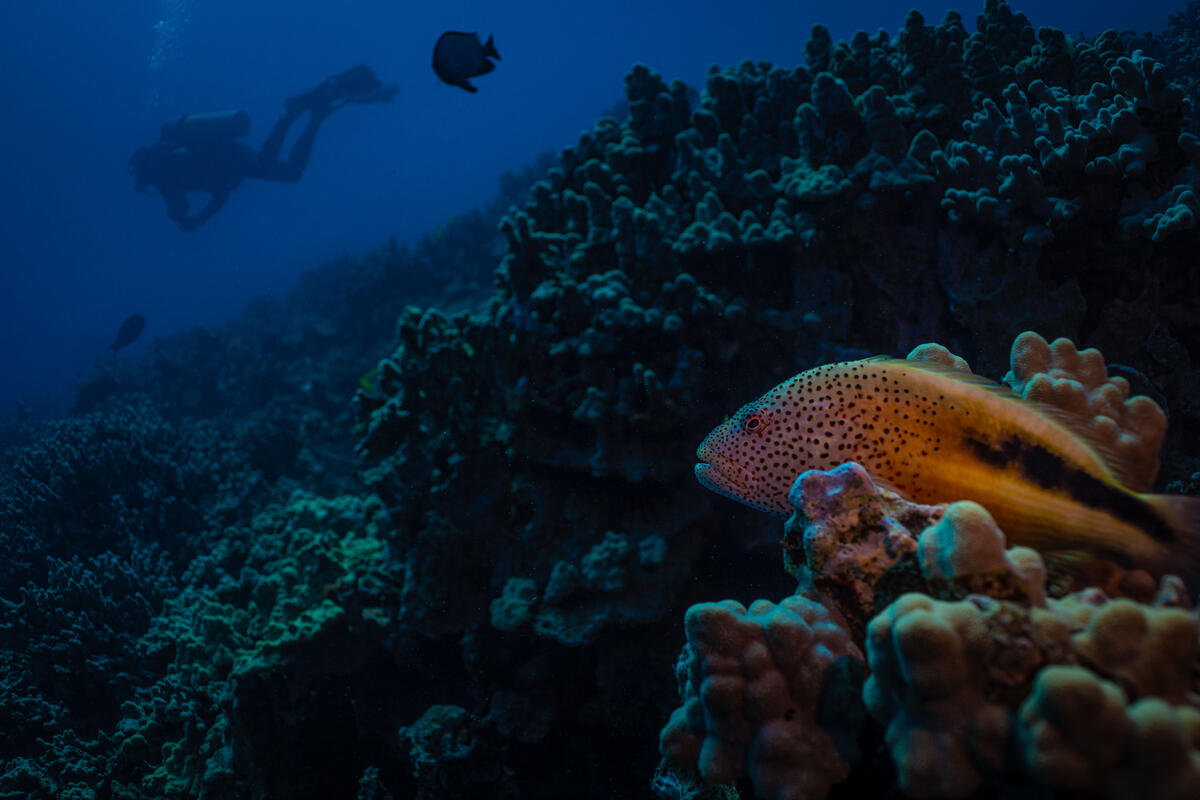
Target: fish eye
{"points": [[754, 422]]}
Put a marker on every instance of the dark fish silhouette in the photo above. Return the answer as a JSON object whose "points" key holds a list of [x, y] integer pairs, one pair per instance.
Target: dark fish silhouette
{"points": [[94, 393], [129, 331], [458, 56]]}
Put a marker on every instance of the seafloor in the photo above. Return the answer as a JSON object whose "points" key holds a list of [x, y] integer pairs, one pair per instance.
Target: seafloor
{"points": [[427, 527]]}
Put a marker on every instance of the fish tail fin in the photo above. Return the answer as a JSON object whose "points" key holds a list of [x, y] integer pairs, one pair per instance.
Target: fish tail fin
{"points": [[1182, 513], [489, 49]]}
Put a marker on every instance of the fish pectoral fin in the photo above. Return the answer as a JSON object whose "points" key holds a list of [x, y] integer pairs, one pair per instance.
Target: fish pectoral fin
{"points": [[1070, 570], [1182, 513], [883, 483]]}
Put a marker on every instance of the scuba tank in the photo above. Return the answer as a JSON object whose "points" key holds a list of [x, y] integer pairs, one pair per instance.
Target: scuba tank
{"points": [[199, 128]]}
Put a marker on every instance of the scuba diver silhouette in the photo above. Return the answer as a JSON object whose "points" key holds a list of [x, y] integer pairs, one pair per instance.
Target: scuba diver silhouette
{"points": [[199, 152]]}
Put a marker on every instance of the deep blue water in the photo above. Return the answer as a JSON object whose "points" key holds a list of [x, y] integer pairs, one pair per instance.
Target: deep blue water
{"points": [[86, 83]]}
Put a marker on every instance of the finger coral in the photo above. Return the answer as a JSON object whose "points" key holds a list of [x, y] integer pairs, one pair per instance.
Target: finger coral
{"points": [[929, 687], [1080, 733], [770, 691], [946, 677], [862, 547], [977, 676], [1129, 429]]}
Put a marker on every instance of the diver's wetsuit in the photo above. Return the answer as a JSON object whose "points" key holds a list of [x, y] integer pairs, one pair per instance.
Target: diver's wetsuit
{"points": [[219, 165], [177, 164]]}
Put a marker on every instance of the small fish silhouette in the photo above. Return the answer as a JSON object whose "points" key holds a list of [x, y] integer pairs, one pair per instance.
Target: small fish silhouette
{"points": [[129, 331], [458, 56]]}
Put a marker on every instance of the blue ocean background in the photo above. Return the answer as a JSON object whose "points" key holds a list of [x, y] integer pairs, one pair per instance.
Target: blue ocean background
{"points": [[84, 84]]}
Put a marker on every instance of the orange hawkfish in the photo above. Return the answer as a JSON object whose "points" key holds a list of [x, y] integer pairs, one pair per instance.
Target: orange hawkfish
{"points": [[937, 435]]}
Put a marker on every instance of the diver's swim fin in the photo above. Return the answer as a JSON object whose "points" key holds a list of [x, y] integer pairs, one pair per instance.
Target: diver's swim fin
{"points": [[383, 94], [355, 85], [353, 82]]}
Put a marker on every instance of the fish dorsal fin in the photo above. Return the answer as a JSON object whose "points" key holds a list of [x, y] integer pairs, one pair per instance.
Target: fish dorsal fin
{"points": [[1128, 443], [957, 375], [1101, 434], [1097, 437]]}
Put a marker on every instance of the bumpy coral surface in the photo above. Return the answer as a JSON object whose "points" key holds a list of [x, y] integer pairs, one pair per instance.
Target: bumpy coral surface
{"points": [[929, 685], [1129, 429], [976, 638], [945, 677], [948, 675], [853, 539], [1147, 748], [771, 691]]}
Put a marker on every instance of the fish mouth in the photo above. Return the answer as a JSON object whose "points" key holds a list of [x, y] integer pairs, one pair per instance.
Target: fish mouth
{"points": [[708, 474], [724, 476]]}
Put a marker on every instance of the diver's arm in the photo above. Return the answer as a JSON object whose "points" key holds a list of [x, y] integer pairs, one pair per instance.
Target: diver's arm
{"points": [[177, 205], [216, 202]]}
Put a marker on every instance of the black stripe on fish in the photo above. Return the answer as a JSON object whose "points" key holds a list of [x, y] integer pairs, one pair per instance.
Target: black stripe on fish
{"points": [[999, 457], [1049, 471]]}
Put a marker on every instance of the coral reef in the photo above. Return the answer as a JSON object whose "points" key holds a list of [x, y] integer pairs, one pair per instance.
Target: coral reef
{"points": [[978, 676], [1149, 747], [948, 675], [227, 579], [945, 677], [1130, 429], [624, 286], [771, 690]]}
